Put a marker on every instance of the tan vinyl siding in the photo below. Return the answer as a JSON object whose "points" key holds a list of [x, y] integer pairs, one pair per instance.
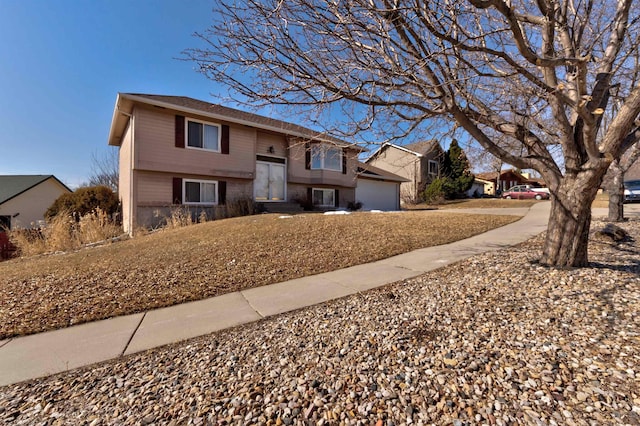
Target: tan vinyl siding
{"points": [[296, 168], [156, 191], [154, 188], [267, 140], [297, 173], [125, 180], [403, 164], [397, 161], [156, 151]]}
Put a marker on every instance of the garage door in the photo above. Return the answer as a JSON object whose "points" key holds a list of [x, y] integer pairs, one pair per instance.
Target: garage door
{"points": [[377, 195]]}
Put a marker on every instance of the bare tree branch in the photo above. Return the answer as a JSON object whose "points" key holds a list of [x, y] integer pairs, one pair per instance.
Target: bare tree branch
{"points": [[529, 80]]}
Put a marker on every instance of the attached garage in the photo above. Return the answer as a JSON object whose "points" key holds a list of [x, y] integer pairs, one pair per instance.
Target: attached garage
{"points": [[378, 189]]}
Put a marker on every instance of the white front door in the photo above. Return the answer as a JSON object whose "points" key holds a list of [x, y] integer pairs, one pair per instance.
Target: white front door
{"points": [[270, 182]]}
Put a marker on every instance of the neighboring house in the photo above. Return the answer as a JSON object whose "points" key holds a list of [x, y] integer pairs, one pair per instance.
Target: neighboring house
{"points": [[24, 199], [508, 178], [419, 163], [481, 187], [175, 150], [378, 189]]}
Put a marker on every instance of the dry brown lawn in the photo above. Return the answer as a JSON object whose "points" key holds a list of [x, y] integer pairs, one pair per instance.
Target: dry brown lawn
{"points": [[602, 200], [174, 266], [481, 203]]}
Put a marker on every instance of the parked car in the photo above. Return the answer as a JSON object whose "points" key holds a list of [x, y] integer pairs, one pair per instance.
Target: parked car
{"points": [[631, 191], [525, 192]]}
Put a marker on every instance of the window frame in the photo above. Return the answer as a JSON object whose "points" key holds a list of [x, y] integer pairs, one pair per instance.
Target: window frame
{"points": [[200, 203], [203, 123], [323, 190], [437, 167], [323, 148]]}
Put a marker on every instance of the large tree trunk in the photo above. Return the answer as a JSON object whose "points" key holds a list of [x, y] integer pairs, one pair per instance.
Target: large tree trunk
{"points": [[616, 192], [567, 237]]}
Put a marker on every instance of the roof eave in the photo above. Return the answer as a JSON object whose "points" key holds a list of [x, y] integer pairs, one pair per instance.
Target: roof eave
{"points": [[121, 114], [389, 144], [117, 115]]}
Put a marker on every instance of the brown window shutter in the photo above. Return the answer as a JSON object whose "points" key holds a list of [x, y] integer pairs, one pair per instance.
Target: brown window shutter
{"points": [[224, 139], [222, 192], [344, 161], [177, 191], [310, 195], [336, 198], [307, 156], [179, 131]]}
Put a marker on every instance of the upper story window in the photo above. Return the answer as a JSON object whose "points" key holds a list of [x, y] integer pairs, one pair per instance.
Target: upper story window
{"points": [[326, 157], [200, 191], [203, 135], [434, 167]]}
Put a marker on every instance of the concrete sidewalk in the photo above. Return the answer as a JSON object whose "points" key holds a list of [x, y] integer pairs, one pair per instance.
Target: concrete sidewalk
{"points": [[43, 354]]}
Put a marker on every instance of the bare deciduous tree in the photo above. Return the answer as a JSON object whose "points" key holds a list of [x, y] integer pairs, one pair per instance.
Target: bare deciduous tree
{"points": [[614, 182], [614, 179], [531, 74], [105, 170]]}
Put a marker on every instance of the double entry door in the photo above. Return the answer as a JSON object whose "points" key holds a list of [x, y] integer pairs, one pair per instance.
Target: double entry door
{"points": [[270, 183]]}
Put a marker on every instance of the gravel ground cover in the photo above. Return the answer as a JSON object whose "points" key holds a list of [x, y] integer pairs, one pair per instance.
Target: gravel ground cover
{"points": [[210, 259], [496, 339]]}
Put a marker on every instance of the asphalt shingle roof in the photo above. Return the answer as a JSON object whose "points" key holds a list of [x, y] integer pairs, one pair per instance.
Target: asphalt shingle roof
{"points": [[206, 107], [13, 185], [422, 147]]}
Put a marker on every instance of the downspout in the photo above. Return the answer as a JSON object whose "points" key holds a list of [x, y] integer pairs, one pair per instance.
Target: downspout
{"points": [[130, 165], [132, 218], [416, 182]]}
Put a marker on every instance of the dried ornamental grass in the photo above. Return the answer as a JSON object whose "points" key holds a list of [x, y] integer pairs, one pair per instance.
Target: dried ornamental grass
{"points": [[63, 233]]}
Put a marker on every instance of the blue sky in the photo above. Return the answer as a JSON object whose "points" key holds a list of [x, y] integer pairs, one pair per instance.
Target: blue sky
{"points": [[63, 63]]}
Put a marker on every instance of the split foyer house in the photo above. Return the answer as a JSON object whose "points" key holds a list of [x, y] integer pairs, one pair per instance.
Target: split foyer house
{"points": [[176, 150], [24, 199], [419, 163]]}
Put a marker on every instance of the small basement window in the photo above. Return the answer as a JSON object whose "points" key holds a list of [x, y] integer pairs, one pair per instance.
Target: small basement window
{"points": [[324, 197], [200, 192]]}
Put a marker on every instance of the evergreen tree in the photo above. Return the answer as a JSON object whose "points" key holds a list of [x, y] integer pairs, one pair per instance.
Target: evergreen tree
{"points": [[456, 176], [457, 170]]}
